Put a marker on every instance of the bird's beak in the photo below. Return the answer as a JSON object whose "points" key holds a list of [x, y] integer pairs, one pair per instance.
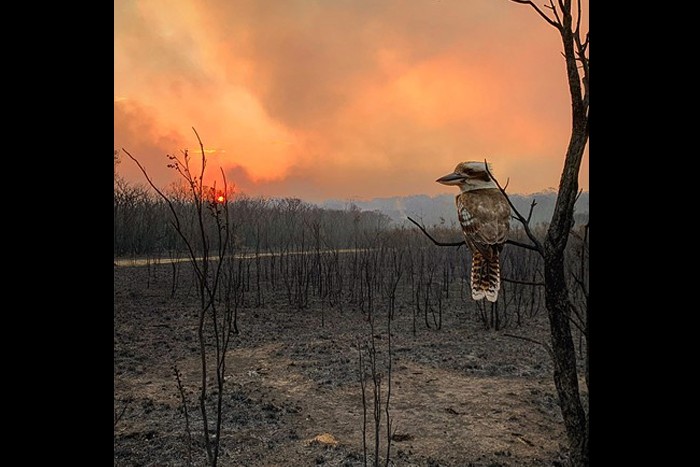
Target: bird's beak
{"points": [[451, 179]]}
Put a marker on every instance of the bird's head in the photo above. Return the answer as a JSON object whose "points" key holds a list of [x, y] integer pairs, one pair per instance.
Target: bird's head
{"points": [[470, 175]]}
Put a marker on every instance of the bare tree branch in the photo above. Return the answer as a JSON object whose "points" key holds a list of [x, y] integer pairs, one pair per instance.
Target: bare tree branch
{"points": [[170, 205], [557, 25], [457, 244], [204, 162], [556, 13], [532, 208], [577, 32], [537, 246]]}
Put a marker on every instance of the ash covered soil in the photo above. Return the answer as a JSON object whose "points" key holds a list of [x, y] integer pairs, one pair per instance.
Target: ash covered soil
{"points": [[461, 395]]}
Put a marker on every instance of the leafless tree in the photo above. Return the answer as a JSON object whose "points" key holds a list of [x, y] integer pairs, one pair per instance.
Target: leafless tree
{"points": [[207, 249]]}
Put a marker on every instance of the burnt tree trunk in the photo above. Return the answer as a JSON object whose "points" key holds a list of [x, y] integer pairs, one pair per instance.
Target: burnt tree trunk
{"points": [[559, 306], [565, 369], [557, 300]]}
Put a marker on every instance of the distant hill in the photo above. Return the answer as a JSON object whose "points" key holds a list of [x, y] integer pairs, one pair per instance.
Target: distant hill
{"points": [[441, 209]]}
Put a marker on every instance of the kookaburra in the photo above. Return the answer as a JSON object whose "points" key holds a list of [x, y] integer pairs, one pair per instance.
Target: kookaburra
{"points": [[484, 214]]}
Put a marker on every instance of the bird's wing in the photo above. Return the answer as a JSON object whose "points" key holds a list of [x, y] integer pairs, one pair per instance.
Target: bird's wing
{"points": [[484, 216]]}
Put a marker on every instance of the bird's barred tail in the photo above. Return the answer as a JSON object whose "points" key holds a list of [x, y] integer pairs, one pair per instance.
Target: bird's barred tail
{"points": [[486, 276]]}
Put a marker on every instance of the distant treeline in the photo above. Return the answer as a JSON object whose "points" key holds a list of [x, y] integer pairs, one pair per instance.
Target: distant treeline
{"points": [[143, 223]]}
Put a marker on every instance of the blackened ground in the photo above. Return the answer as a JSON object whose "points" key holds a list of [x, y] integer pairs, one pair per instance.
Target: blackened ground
{"points": [[460, 396]]}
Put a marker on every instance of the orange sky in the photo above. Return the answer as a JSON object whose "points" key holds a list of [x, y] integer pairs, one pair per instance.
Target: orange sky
{"points": [[349, 99]]}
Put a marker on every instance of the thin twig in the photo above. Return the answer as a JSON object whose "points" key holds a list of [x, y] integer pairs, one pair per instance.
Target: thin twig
{"points": [[540, 12], [532, 208], [521, 245], [543, 344]]}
